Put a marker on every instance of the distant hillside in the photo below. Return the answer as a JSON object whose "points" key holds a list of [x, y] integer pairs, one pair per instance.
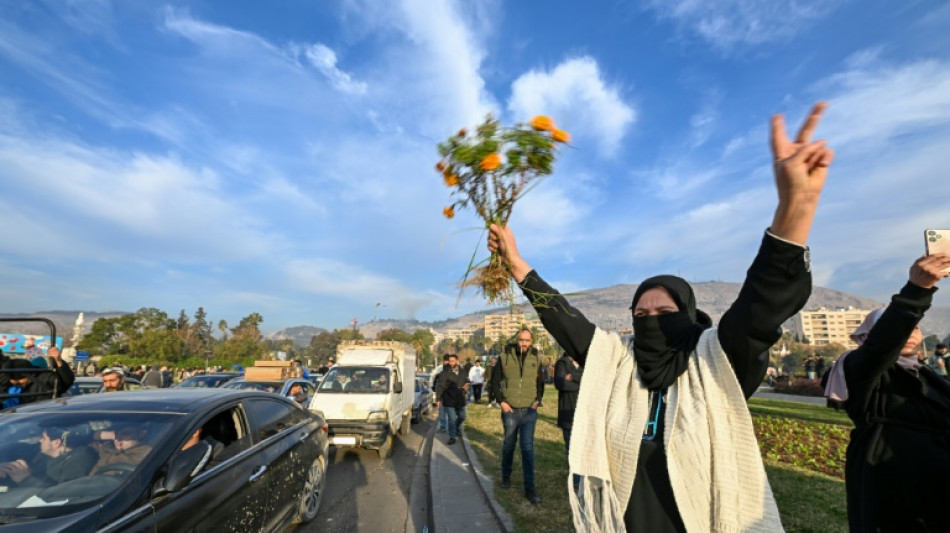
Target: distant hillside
{"points": [[299, 335], [63, 320]]}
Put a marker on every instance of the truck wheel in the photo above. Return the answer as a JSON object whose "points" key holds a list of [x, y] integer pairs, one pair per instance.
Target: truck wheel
{"points": [[406, 421], [385, 448]]}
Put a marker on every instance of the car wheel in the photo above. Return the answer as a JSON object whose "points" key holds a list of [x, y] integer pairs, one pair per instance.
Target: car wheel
{"points": [[313, 491], [385, 447], [416, 415]]}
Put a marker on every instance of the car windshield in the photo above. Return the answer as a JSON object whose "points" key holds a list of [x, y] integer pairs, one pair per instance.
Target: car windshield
{"points": [[53, 464], [265, 386], [84, 387], [356, 380], [203, 381]]}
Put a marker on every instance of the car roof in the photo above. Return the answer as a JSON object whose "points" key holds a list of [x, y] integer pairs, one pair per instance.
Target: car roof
{"points": [[180, 401]]}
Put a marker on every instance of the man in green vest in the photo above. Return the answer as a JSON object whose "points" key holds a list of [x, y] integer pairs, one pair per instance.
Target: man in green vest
{"points": [[518, 387]]}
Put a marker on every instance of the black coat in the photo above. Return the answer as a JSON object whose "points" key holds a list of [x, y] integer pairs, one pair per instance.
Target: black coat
{"points": [[450, 391], [898, 460], [567, 390]]}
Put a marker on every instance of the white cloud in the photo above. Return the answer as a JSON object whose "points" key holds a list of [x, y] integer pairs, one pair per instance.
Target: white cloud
{"points": [[732, 24], [579, 99], [325, 61]]}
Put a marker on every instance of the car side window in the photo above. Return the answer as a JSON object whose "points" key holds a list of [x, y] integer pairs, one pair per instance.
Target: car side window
{"points": [[307, 389], [268, 417]]}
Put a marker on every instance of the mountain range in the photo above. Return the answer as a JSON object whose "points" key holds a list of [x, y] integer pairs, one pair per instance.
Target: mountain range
{"points": [[606, 307]]}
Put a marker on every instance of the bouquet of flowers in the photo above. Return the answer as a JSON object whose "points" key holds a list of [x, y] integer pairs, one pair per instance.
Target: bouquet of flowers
{"points": [[489, 171]]}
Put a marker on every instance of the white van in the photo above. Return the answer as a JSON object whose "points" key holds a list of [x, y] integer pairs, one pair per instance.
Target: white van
{"points": [[367, 396]]}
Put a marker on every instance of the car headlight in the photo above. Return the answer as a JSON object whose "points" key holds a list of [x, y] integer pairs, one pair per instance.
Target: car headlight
{"points": [[377, 416]]}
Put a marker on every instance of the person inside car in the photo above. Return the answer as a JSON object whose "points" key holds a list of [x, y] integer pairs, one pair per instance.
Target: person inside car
{"points": [[382, 384], [124, 445], [113, 380], [64, 455], [297, 393]]}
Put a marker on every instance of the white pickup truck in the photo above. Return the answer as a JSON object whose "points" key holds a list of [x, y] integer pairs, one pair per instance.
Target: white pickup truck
{"points": [[367, 396]]}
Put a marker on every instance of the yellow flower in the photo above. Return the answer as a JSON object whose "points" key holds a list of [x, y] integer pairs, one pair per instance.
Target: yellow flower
{"points": [[440, 166], [491, 162], [561, 136], [449, 212], [451, 180], [542, 123]]}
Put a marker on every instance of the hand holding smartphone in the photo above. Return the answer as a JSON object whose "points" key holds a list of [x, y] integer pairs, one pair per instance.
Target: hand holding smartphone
{"points": [[937, 241]]}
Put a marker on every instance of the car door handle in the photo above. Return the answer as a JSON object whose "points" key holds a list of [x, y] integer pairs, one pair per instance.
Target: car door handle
{"points": [[257, 474], [303, 436]]}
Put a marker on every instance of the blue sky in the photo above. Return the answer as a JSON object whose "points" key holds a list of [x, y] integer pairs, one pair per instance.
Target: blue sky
{"points": [[278, 156]]}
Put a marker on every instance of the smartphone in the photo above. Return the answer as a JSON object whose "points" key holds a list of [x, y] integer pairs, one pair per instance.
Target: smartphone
{"points": [[937, 240]]}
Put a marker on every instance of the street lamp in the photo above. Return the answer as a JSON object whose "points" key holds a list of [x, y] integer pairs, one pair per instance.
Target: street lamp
{"points": [[378, 305]]}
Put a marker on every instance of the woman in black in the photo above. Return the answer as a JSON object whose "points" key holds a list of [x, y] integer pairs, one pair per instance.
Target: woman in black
{"points": [[667, 324], [898, 460]]}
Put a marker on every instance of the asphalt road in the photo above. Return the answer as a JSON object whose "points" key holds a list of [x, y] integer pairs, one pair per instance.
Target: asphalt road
{"points": [[366, 494]]}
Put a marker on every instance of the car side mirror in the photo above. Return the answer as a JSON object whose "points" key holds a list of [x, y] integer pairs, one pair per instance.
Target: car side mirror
{"points": [[397, 387], [186, 465]]}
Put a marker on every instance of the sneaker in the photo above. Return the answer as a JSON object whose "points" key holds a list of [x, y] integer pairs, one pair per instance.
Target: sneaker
{"points": [[532, 497], [451, 441], [506, 482]]}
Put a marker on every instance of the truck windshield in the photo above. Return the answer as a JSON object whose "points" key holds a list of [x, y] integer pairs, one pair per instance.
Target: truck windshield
{"points": [[356, 380]]}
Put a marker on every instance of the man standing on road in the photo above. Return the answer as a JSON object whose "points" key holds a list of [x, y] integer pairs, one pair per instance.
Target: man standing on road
{"points": [[443, 417], [453, 386], [518, 386], [477, 376], [152, 378]]}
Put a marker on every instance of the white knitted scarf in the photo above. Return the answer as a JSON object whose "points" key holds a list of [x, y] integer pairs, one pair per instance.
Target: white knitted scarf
{"points": [[713, 459]]}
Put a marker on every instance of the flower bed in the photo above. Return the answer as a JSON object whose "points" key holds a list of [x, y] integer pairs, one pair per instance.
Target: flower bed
{"points": [[816, 446]]}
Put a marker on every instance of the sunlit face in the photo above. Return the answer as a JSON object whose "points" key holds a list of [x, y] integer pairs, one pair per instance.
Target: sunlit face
{"points": [[655, 301], [112, 382], [51, 447], [913, 342], [524, 340], [125, 441], [295, 390]]}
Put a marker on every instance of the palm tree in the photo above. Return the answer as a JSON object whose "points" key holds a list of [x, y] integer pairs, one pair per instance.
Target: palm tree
{"points": [[223, 327]]}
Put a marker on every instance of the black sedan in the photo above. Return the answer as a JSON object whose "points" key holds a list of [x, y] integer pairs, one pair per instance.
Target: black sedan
{"points": [[207, 381], [158, 460]]}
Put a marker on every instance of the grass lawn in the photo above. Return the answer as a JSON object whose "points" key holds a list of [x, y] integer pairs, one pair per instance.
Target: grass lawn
{"points": [[808, 500]]}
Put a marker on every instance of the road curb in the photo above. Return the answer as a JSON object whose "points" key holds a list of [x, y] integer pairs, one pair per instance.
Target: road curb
{"points": [[419, 478], [487, 486]]}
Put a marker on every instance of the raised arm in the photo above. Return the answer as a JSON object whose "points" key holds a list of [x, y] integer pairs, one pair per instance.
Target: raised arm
{"points": [[570, 329], [887, 339], [778, 283]]}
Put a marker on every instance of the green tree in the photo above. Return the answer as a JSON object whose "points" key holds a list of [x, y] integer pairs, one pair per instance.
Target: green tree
{"points": [[394, 334], [183, 323], [249, 326], [158, 345], [223, 328], [202, 329]]}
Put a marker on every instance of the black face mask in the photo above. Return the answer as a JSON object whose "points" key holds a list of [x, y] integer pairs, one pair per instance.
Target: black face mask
{"points": [[662, 343]]}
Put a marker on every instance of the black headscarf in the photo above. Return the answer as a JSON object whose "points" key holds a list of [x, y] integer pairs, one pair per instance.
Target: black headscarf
{"points": [[662, 343]]}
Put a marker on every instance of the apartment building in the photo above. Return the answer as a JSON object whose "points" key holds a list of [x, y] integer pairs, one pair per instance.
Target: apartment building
{"points": [[829, 326], [507, 325]]}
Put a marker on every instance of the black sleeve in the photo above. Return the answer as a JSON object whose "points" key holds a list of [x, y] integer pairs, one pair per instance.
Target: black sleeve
{"points": [[883, 346], [497, 375], [540, 386], [572, 331], [561, 370], [777, 285], [59, 380]]}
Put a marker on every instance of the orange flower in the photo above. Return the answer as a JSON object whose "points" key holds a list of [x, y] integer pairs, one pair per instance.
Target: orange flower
{"points": [[451, 180], [462, 132], [561, 136], [449, 211], [542, 123], [440, 166], [491, 162]]}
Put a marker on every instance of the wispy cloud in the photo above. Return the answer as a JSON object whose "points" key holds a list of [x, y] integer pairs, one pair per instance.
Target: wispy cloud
{"points": [[731, 24], [578, 97]]}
